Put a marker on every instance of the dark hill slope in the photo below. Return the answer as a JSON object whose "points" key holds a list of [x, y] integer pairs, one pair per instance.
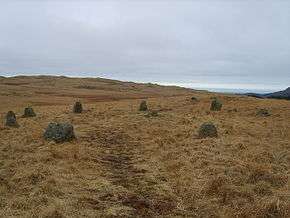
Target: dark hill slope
{"points": [[285, 94]]}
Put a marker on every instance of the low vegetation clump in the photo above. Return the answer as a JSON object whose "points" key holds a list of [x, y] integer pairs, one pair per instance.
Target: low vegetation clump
{"points": [[59, 132], [78, 108], [152, 113], [143, 106], [263, 113], [29, 112], [207, 130], [11, 119], [86, 87], [216, 105]]}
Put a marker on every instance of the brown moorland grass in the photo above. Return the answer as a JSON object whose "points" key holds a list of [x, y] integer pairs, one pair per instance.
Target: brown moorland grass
{"points": [[125, 163]]}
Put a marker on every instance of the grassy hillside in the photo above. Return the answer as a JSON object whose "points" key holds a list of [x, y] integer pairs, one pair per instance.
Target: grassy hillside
{"points": [[49, 90], [126, 163]]}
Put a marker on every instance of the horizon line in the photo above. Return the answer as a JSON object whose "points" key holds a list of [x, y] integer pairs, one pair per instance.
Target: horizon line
{"points": [[191, 85]]}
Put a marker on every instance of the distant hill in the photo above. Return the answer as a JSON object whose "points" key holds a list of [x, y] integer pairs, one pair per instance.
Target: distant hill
{"points": [[285, 94], [53, 90]]}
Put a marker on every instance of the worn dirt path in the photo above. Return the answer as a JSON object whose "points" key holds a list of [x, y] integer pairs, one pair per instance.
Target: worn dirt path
{"points": [[121, 161]]}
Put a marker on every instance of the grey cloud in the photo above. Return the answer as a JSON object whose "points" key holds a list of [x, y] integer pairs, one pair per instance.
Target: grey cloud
{"points": [[167, 41]]}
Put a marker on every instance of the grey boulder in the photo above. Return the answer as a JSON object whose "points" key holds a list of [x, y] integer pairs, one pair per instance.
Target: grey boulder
{"points": [[59, 132]]}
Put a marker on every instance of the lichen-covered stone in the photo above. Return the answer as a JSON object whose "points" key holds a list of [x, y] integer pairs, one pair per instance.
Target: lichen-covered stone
{"points": [[59, 132], [11, 119], [216, 105], [143, 106], [78, 108], [29, 112], [207, 130], [263, 113]]}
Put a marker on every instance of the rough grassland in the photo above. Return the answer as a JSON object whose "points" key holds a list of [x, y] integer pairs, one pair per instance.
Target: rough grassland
{"points": [[126, 164]]}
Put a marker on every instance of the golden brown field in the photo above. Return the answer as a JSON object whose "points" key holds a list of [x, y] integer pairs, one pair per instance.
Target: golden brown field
{"points": [[126, 163]]}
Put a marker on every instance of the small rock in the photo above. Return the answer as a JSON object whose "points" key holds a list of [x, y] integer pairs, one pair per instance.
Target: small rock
{"points": [[207, 130], [59, 132], [29, 112], [194, 99], [233, 110], [78, 108], [11, 119], [143, 106], [263, 113], [216, 105]]}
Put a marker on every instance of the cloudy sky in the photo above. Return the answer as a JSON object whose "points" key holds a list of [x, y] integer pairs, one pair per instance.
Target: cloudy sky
{"points": [[226, 44]]}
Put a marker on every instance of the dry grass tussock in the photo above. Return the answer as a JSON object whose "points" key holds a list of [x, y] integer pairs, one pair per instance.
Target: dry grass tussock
{"points": [[124, 163]]}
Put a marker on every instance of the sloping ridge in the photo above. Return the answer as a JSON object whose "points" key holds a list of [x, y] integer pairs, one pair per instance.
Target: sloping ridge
{"points": [[285, 94], [280, 95]]}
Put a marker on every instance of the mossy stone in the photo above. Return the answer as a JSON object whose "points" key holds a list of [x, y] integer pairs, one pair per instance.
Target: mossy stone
{"points": [[143, 106], [11, 119], [216, 105], [207, 130], [29, 112], [78, 108], [59, 132]]}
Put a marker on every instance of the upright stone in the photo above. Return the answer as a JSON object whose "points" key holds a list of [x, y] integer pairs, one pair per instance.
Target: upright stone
{"points": [[59, 132], [11, 119], [78, 108], [216, 105], [29, 112], [143, 106], [207, 130]]}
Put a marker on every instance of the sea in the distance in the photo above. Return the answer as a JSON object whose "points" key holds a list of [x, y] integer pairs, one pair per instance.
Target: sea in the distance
{"points": [[220, 89], [236, 91]]}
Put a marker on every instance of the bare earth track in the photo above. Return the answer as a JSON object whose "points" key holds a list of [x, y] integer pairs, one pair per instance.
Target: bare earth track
{"points": [[126, 163]]}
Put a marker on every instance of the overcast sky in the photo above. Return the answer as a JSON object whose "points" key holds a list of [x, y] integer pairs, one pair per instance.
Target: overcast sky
{"points": [[228, 44]]}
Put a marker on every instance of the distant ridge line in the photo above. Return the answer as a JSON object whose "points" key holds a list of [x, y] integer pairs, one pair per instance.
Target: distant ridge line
{"points": [[285, 94]]}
